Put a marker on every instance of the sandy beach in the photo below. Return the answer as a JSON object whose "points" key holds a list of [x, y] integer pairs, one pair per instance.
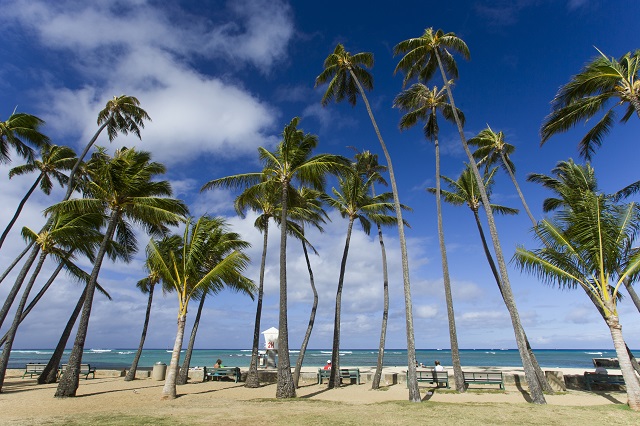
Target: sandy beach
{"points": [[103, 399]]}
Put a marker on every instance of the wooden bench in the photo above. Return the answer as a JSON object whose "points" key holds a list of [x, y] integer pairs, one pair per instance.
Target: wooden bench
{"points": [[430, 376], [345, 373], [85, 370], [211, 373], [33, 369], [484, 378], [602, 379]]}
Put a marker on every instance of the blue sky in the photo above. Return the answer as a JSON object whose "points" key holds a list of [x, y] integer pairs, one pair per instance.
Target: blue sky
{"points": [[221, 78]]}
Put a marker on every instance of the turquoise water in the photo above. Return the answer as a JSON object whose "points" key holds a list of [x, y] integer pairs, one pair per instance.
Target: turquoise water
{"points": [[122, 358]]}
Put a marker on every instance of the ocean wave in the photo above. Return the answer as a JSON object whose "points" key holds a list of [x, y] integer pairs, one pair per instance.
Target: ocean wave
{"points": [[246, 350], [126, 353], [593, 353], [492, 353], [99, 351]]}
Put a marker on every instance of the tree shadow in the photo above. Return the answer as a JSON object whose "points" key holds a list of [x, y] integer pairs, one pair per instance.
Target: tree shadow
{"points": [[525, 393], [319, 392], [159, 385]]}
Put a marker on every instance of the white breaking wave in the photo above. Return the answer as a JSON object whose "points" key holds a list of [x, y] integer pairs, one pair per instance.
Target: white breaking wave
{"points": [[99, 351]]}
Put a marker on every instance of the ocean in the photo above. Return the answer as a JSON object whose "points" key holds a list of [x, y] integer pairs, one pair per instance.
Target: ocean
{"points": [[122, 358]]}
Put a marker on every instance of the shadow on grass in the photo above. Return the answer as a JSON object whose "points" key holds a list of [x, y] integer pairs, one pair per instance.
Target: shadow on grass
{"points": [[525, 393]]}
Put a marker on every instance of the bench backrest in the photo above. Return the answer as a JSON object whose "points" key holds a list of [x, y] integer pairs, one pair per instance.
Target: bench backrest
{"points": [[432, 375], [484, 375], [84, 368]]}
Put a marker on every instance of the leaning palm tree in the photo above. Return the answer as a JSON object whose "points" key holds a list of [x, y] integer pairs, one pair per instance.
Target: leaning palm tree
{"points": [[53, 159], [187, 268], [18, 132], [347, 77], [423, 104], [70, 232], [367, 165], [492, 149], [353, 201], [221, 242], [124, 188], [291, 162], [122, 114], [263, 200], [590, 92], [587, 247], [422, 56]]}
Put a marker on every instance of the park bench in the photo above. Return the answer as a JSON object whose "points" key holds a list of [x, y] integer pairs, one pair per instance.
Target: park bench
{"points": [[431, 376], [345, 373], [33, 369], [483, 377], [602, 379], [85, 370], [210, 373]]}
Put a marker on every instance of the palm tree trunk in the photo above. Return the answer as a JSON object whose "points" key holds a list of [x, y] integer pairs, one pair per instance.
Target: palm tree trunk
{"points": [[334, 380], [630, 379], [184, 371], [412, 382], [377, 376], [16, 261], [453, 336], [131, 374], [285, 387], [515, 183], [312, 318], [6, 352], [36, 299], [542, 379], [169, 389], [68, 384], [633, 294], [253, 381], [16, 286], [20, 206], [50, 372], [534, 386]]}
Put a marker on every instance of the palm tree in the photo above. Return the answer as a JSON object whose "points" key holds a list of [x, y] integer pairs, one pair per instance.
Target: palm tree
{"points": [[146, 286], [187, 268], [123, 187], [587, 247], [264, 201], [367, 165], [291, 162], [492, 149], [353, 202], [590, 92], [307, 210], [77, 232], [122, 114], [465, 190], [54, 158], [422, 56], [347, 77], [221, 242], [423, 104], [17, 132]]}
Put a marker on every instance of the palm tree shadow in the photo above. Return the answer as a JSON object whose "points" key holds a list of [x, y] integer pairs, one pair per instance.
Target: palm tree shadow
{"points": [[239, 385], [609, 397], [525, 393], [312, 394], [119, 390], [429, 394]]}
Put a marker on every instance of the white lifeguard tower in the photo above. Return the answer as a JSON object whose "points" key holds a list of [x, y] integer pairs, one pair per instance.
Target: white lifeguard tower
{"points": [[271, 346]]}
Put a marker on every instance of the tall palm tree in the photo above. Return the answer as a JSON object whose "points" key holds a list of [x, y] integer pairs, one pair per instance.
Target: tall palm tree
{"points": [[347, 77], [492, 149], [264, 201], [353, 201], [18, 132], [590, 92], [422, 56], [367, 165], [123, 188], [423, 104], [587, 247], [122, 114], [146, 286], [221, 242], [53, 160], [465, 190], [291, 162], [188, 269], [69, 232]]}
